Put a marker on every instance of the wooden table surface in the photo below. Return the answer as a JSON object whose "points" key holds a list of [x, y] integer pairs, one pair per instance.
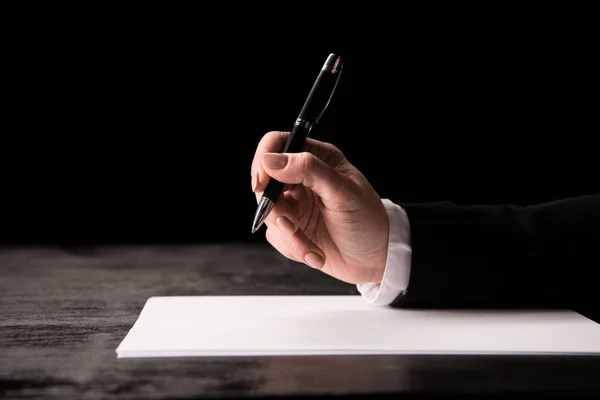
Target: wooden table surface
{"points": [[63, 312]]}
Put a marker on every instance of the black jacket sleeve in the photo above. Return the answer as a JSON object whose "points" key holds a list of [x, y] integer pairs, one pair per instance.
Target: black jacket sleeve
{"points": [[545, 255]]}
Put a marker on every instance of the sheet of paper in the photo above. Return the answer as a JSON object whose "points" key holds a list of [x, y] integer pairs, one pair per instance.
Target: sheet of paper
{"points": [[325, 325]]}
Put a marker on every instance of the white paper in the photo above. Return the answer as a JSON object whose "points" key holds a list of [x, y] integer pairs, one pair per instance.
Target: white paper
{"points": [[320, 325]]}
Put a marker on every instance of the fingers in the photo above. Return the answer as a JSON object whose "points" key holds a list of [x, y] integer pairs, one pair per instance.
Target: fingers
{"points": [[273, 142], [286, 236], [310, 171], [292, 203], [297, 247]]}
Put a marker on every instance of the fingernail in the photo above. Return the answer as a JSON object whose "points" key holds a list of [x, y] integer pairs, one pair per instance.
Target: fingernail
{"points": [[286, 226], [254, 181], [275, 160], [314, 260]]}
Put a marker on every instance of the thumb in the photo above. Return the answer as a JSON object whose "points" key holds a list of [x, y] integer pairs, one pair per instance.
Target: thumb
{"points": [[306, 169]]}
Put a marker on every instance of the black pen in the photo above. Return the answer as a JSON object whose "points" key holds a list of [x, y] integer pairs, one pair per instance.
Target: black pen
{"points": [[314, 107]]}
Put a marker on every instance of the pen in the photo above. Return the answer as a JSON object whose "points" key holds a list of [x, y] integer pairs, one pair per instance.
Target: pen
{"points": [[314, 107]]}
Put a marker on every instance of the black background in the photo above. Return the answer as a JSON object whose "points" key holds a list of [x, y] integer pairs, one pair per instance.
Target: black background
{"points": [[140, 130]]}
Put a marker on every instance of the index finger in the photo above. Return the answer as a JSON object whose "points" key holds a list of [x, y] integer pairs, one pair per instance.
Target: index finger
{"points": [[274, 141]]}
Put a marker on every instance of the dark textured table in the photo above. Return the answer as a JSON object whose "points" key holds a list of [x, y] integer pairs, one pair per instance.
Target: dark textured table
{"points": [[63, 312]]}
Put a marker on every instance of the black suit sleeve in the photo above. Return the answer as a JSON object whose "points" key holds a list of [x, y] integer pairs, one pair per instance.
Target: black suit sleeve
{"points": [[546, 255]]}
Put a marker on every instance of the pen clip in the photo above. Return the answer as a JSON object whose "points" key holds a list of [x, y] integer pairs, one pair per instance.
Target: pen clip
{"points": [[336, 70]]}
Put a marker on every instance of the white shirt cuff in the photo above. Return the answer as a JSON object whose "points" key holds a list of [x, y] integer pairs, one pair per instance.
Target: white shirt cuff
{"points": [[397, 269]]}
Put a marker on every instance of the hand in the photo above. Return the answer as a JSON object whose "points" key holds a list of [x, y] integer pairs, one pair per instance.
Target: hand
{"points": [[328, 217]]}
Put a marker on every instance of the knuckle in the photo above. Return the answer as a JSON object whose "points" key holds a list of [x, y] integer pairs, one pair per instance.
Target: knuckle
{"points": [[335, 150], [271, 135], [345, 168], [294, 246], [307, 160], [282, 135], [336, 156], [274, 137]]}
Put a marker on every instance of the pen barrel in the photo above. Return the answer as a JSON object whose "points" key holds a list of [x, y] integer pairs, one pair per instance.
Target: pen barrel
{"points": [[319, 97], [298, 135], [273, 190]]}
